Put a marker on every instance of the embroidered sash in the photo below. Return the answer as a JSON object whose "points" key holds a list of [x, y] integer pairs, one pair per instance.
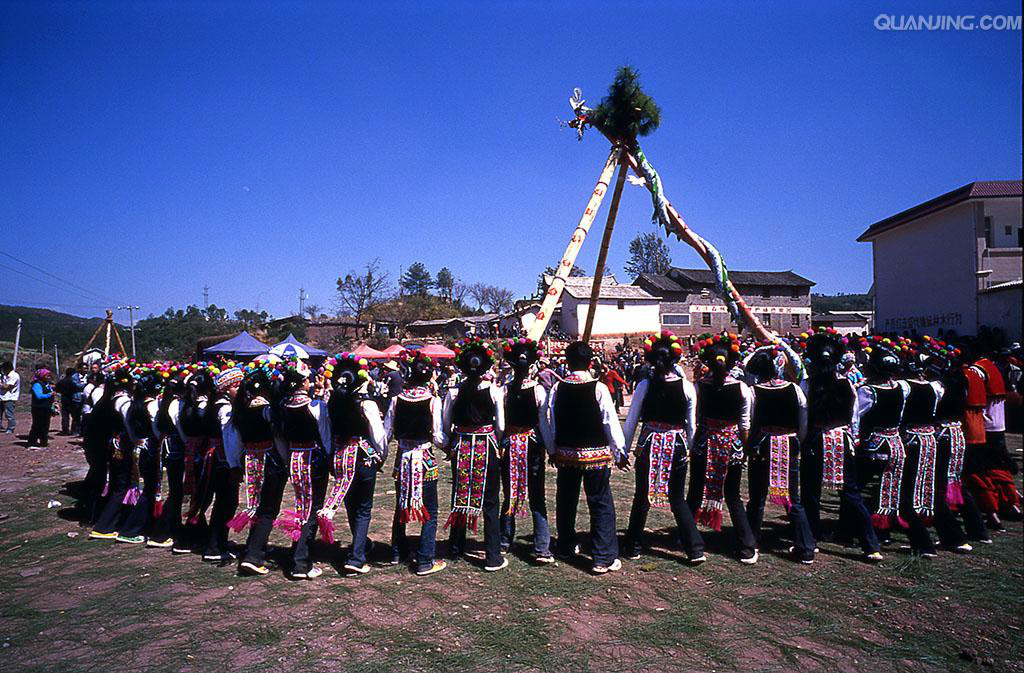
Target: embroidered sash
{"points": [[518, 470], [345, 456], [660, 441], [470, 478], [131, 496], [833, 449], [778, 465], [255, 454], [957, 447], [892, 477], [193, 447], [924, 483], [301, 472], [722, 441], [214, 452], [414, 468]]}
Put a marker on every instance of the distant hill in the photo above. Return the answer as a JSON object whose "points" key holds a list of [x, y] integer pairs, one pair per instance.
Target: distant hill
{"points": [[68, 332], [821, 303]]}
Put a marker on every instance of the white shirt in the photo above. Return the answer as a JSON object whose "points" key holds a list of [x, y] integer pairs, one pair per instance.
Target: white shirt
{"points": [[436, 431], [497, 396], [633, 418], [229, 436], [11, 387], [609, 417]]}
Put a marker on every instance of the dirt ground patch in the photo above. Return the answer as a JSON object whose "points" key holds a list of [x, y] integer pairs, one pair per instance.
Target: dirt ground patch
{"points": [[68, 603]]}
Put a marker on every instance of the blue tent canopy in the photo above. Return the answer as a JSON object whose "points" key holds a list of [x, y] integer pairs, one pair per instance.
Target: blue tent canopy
{"points": [[243, 345], [290, 339]]}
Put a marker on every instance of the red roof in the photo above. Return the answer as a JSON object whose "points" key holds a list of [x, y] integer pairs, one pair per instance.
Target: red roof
{"points": [[438, 352], [364, 351], [974, 190]]}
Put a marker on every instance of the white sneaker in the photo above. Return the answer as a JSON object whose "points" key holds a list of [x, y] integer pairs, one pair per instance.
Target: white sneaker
{"points": [[501, 566], [964, 548], [697, 560], [752, 560], [359, 570], [604, 570]]}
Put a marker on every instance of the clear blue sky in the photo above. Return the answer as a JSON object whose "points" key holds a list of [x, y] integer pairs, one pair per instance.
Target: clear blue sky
{"points": [[147, 149]]}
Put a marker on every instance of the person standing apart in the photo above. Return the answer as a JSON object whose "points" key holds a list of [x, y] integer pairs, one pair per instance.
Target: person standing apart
{"points": [[42, 409], [10, 391], [586, 440]]}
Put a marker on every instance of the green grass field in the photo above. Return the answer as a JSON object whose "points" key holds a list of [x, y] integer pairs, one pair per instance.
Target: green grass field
{"points": [[70, 604]]}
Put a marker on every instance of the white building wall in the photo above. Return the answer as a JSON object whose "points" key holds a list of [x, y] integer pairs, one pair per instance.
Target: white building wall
{"points": [[1002, 309], [636, 316], [925, 274], [1004, 213]]}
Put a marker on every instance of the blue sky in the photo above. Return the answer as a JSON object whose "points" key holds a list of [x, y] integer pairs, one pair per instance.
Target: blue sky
{"points": [[149, 149]]}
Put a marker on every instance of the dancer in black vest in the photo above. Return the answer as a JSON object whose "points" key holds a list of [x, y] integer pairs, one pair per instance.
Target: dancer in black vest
{"points": [[917, 492], [167, 530], [524, 454], [413, 419], [198, 388], [141, 497], [586, 439], [110, 412], [359, 450], [473, 418], [880, 451], [222, 468], [723, 428], [828, 456], [95, 444], [664, 408], [306, 430], [778, 423]]}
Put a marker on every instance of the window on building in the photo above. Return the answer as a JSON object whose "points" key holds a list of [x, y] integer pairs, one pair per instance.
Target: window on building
{"points": [[1008, 230], [794, 320], [766, 318], [622, 305], [675, 319], [988, 231], [797, 293], [705, 319]]}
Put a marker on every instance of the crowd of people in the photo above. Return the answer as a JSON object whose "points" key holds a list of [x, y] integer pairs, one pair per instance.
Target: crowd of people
{"points": [[910, 434]]}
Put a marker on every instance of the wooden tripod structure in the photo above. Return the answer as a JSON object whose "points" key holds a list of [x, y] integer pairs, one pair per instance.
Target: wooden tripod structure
{"points": [[623, 157], [108, 328]]}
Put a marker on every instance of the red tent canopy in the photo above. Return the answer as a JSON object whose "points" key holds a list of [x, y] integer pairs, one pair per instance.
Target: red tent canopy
{"points": [[393, 351], [438, 352], [364, 351]]}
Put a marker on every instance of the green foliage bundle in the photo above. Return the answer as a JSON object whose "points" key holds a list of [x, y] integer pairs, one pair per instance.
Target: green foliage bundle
{"points": [[626, 113]]}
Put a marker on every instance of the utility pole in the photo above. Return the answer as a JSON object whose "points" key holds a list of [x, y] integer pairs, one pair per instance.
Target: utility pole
{"points": [[56, 360], [42, 345], [302, 300], [131, 319], [206, 297], [17, 342]]}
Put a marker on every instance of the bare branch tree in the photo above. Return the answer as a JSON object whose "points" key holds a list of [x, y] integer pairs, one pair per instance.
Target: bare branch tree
{"points": [[499, 299], [479, 292], [359, 291], [459, 291]]}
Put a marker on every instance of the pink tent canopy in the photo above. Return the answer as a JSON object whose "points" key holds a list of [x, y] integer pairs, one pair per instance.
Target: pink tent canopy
{"points": [[393, 351], [364, 351], [438, 352]]}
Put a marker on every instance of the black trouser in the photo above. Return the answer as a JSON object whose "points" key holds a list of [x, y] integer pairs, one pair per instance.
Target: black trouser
{"points": [[974, 520], [223, 489], [70, 414], [689, 536], [39, 433], [111, 517], [301, 562], [428, 532], [97, 456], [854, 516], [275, 478], [490, 513], [169, 523], [359, 507], [597, 486], [812, 465], [745, 541], [946, 525], [758, 479], [536, 459], [140, 515], [917, 531]]}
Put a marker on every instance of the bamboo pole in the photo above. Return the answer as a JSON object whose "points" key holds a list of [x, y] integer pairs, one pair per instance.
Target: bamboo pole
{"points": [[685, 234], [602, 256], [554, 291]]}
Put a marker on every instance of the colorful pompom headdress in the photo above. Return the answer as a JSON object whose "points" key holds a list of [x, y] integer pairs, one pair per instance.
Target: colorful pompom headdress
{"points": [[418, 367], [521, 351], [723, 349], [474, 356], [662, 345], [347, 371]]}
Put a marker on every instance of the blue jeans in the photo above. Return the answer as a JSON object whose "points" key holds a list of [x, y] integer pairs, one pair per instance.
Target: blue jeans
{"points": [[7, 409], [428, 533], [359, 506], [536, 458], [596, 484]]}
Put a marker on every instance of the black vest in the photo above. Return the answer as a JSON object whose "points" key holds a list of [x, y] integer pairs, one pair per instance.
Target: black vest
{"points": [[211, 417], [578, 421], [830, 402], [163, 417], [776, 407], [139, 421], [885, 413], [920, 409], [521, 408], [299, 426], [665, 402], [252, 427], [413, 421], [347, 418], [191, 417], [954, 400], [473, 408], [723, 403]]}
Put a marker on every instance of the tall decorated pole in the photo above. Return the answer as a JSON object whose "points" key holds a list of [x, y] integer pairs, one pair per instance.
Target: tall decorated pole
{"points": [[554, 291], [626, 113], [602, 255]]}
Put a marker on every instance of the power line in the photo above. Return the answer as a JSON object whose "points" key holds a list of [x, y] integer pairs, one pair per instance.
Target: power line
{"points": [[55, 277], [46, 282]]}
